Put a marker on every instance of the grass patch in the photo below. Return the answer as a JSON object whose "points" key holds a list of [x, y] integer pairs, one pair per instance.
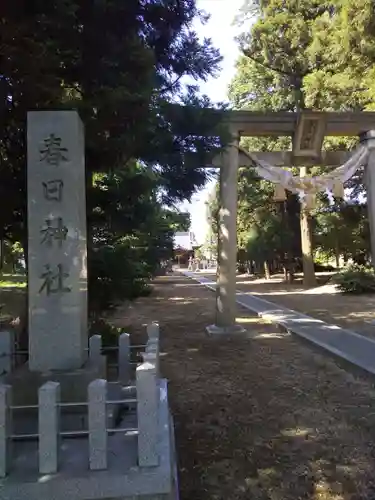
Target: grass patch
{"points": [[8, 280]]}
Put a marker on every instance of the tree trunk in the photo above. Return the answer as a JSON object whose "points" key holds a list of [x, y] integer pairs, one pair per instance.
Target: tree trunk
{"points": [[2, 260], [286, 274], [257, 267], [249, 267], [287, 267], [309, 278], [285, 263], [267, 270], [337, 256]]}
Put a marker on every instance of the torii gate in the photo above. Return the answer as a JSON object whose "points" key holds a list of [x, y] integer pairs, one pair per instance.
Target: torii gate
{"points": [[308, 130]]}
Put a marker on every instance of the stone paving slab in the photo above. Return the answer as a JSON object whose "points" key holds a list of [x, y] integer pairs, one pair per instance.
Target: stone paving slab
{"points": [[346, 344]]}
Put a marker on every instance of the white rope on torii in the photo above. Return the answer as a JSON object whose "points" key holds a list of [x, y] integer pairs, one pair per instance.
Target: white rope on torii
{"points": [[308, 186]]}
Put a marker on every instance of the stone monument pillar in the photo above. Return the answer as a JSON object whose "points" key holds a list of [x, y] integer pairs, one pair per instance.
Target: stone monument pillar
{"points": [[227, 243], [57, 274]]}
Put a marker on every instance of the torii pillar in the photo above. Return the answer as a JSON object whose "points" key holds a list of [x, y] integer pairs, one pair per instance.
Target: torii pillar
{"points": [[277, 124], [225, 321], [368, 140]]}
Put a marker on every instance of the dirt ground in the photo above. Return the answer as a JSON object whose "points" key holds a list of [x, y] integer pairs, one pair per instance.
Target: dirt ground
{"points": [[355, 312], [261, 417]]}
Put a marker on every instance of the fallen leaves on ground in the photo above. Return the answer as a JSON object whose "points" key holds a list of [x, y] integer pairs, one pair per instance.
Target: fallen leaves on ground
{"points": [[262, 417]]}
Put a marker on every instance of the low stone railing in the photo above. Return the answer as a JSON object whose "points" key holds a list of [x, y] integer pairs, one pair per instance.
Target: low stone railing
{"points": [[8, 351], [49, 408]]}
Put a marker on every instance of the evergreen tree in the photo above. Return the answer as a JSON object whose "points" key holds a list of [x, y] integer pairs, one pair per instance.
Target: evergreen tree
{"points": [[302, 54], [121, 65]]}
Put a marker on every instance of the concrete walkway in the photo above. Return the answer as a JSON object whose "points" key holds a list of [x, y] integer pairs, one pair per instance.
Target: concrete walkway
{"points": [[346, 344]]}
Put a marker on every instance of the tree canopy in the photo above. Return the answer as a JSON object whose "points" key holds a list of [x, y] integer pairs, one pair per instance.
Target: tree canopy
{"points": [[296, 55], [121, 65]]}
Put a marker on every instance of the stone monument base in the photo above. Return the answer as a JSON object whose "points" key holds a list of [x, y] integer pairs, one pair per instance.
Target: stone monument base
{"points": [[73, 384], [123, 479]]}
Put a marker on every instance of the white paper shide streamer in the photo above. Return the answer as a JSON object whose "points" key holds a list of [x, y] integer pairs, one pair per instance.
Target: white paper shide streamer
{"points": [[307, 187]]}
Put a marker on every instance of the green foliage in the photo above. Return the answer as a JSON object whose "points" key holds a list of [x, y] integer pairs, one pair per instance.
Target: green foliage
{"points": [[356, 280], [116, 274], [8, 280], [343, 230], [107, 331], [199, 252], [269, 77], [128, 244], [304, 54], [264, 229], [322, 258], [11, 255], [121, 65], [283, 43], [178, 221]]}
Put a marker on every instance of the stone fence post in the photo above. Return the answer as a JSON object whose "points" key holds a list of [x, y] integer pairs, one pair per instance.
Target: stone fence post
{"points": [[153, 330], [97, 399], [95, 349], [5, 428], [147, 413], [124, 358], [49, 427], [152, 354], [6, 351]]}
